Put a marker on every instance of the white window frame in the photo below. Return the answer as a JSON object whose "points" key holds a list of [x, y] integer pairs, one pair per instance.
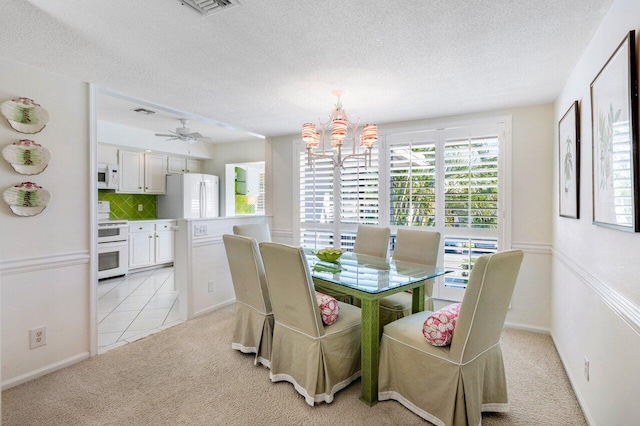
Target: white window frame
{"points": [[391, 134]]}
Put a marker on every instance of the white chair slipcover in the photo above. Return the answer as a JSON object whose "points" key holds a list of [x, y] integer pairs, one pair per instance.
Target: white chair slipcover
{"points": [[259, 231], [372, 240], [452, 385], [253, 321], [319, 360]]}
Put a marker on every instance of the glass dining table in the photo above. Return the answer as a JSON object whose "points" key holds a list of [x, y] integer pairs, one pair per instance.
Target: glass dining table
{"points": [[369, 279]]}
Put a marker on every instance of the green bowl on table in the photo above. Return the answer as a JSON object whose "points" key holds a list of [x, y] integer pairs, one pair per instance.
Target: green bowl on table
{"points": [[328, 254]]}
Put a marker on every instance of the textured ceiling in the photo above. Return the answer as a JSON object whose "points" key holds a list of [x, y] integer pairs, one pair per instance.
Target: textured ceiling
{"points": [[268, 66]]}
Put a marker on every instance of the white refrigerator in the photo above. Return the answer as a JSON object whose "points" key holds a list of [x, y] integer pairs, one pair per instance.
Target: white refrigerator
{"points": [[189, 196]]}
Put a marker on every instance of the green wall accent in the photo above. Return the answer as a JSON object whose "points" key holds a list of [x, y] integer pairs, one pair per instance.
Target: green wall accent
{"points": [[125, 206]]}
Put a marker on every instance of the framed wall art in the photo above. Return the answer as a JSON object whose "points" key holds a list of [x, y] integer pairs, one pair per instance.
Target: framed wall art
{"points": [[569, 163], [614, 121]]}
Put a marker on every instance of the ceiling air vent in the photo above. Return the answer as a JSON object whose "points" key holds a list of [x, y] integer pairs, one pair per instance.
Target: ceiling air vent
{"points": [[209, 7], [143, 111]]}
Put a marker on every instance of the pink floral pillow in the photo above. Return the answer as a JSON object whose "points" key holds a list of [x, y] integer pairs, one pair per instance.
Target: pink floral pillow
{"points": [[329, 308], [439, 326]]}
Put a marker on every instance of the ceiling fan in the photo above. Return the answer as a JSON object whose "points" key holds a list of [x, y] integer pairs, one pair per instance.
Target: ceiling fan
{"points": [[184, 134]]}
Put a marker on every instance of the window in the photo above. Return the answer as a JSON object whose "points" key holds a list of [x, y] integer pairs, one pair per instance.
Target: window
{"points": [[449, 180], [352, 190], [244, 189]]}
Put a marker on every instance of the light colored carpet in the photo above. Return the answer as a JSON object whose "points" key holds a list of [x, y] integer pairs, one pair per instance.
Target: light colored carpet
{"points": [[190, 375]]}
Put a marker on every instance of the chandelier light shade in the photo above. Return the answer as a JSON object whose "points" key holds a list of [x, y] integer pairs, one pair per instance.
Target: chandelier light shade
{"points": [[339, 129]]}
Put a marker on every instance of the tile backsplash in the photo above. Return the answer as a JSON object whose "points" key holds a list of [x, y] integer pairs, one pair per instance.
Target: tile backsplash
{"points": [[125, 206]]}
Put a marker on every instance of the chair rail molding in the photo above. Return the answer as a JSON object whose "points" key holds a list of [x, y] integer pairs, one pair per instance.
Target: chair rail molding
{"points": [[38, 263], [628, 311], [533, 248], [207, 241]]}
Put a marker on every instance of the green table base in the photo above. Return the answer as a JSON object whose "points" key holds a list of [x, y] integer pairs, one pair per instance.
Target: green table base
{"points": [[370, 338]]}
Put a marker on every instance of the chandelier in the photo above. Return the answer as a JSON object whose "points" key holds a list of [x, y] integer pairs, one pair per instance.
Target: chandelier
{"points": [[339, 130]]}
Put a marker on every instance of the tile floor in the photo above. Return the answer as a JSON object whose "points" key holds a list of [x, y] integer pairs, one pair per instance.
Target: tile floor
{"points": [[134, 306]]}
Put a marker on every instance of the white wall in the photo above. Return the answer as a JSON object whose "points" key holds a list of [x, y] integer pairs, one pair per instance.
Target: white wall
{"points": [[202, 259], [596, 284], [532, 154], [44, 260], [138, 140]]}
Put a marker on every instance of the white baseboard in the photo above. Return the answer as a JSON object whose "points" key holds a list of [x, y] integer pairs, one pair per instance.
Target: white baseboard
{"points": [[214, 307], [8, 384], [576, 389], [525, 327]]}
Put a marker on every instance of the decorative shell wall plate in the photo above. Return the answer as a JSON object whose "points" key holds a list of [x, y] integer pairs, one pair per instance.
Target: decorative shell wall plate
{"points": [[24, 115], [27, 157], [27, 199]]}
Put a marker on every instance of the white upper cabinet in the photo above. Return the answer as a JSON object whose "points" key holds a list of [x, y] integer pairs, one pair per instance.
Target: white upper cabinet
{"points": [[131, 172], [155, 170], [184, 165], [194, 166], [142, 172]]}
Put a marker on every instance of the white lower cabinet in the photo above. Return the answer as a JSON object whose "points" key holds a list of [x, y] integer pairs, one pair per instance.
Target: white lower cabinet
{"points": [[164, 242], [150, 243]]}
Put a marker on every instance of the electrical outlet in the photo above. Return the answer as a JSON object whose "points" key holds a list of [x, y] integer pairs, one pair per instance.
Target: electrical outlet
{"points": [[37, 337], [200, 230], [586, 368], [211, 286], [139, 207]]}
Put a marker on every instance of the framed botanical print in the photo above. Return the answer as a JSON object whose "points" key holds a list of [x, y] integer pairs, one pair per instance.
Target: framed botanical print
{"points": [[569, 163], [614, 120]]}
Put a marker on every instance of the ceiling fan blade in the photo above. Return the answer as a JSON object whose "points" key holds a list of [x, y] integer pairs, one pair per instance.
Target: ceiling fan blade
{"points": [[195, 135], [164, 135]]}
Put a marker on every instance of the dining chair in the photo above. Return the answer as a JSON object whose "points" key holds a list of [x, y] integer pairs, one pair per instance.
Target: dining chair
{"points": [[415, 246], [453, 385], [319, 360], [259, 231], [253, 320], [372, 240]]}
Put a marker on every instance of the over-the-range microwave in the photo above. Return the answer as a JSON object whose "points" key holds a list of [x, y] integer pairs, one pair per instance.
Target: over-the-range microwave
{"points": [[107, 176]]}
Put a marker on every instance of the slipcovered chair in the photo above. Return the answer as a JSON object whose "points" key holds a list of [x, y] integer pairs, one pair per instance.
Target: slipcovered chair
{"points": [[253, 321], [371, 240], [319, 360], [452, 385], [259, 231], [415, 246]]}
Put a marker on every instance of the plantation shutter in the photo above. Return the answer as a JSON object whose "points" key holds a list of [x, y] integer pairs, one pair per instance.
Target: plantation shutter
{"points": [[471, 196], [359, 191], [412, 177], [316, 202]]}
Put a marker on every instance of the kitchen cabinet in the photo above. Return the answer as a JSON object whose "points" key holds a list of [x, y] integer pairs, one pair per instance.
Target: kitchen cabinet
{"points": [[131, 170], [183, 165], [141, 245], [164, 242], [155, 170], [150, 243], [247, 181], [142, 172]]}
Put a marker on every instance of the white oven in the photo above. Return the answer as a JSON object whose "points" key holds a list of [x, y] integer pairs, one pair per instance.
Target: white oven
{"points": [[113, 259], [113, 230], [113, 248]]}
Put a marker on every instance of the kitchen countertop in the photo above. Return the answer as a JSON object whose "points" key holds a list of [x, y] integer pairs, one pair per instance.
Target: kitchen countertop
{"points": [[147, 220]]}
